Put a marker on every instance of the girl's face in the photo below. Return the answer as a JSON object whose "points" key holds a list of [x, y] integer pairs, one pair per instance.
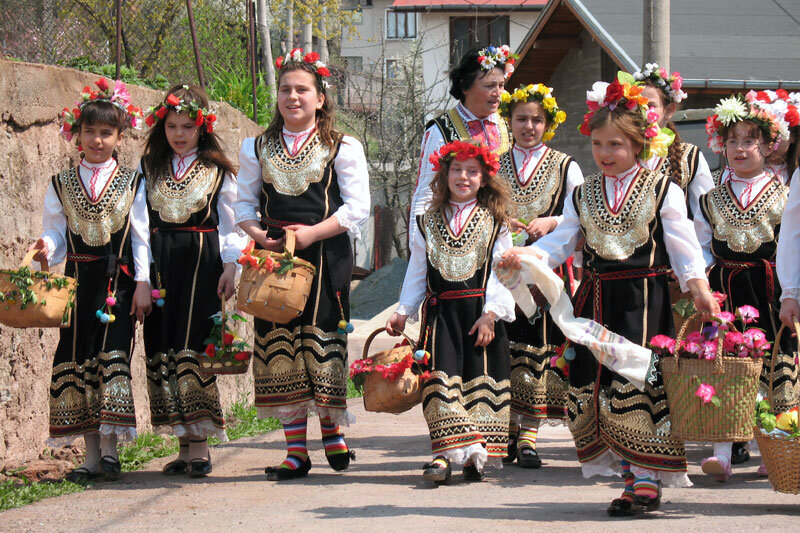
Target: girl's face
{"points": [[655, 96], [182, 134], [99, 141], [746, 154], [528, 122], [613, 151], [464, 179], [483, 96], [299, 100]]}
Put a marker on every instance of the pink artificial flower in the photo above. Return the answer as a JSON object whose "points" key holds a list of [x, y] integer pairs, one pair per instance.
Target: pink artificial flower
{"points": [[695, 337], [663, 342], [718, 296], [121, 94], [732, 339], [651, 132], [652, 116], [693, 348], [709, 349], [725, 319], [747, 313], [706, 392], [678, 83]]}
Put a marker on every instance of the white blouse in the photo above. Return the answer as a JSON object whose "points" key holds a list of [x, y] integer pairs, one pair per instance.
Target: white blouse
{"points": [[685, 254], [432, 141], [352, 176], [498, 299], [786, 263], [780, 170], [95, 177], [701, 184], [746, 190]]}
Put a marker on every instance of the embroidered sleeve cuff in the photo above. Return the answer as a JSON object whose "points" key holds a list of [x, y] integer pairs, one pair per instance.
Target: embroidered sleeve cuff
{"points": [[143, 276], [353, 228], [501, 312], [793, 293], [244, 215], [683, 279]]}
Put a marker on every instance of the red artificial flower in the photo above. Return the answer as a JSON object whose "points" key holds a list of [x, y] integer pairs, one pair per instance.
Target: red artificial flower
{"points": [[210, 119], [211, 350], [323, 71], [150, 120], [425, 375], [269, 264], [162, 111], [782, 94], [584, 128], [102, 84], [279, 63], [87, 90], [76, 113], [243, 260], [614, 92], [481, 59], [252, 261], [249, 248], [173, 100], [763, 96], [311, 57], [295, 50], [198, 121], [241, 356], [792, 116], [227, 339]]}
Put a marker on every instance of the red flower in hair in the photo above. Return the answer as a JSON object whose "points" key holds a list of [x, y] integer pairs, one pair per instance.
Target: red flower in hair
{"points": [[763, 96], [792, 116], [102, 84], [463, 150], [173, 100], [782, 94], [311, 57], [323, 71], [76, 113], [198, 121], [614, 92], [279, 62], [149, 120], [162, 111]]}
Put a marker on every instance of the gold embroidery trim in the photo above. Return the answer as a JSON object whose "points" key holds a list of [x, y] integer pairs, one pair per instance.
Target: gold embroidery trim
{"points": [[292, 175], [463, 133], [175, 201], [458, 257], [537, 197]]}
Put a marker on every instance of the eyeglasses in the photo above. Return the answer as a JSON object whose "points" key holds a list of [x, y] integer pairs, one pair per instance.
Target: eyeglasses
{"points": [[746, 144]]}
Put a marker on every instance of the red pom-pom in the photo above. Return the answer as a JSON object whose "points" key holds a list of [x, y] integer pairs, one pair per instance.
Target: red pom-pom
{"points": [[102, 84], [173, 100]]}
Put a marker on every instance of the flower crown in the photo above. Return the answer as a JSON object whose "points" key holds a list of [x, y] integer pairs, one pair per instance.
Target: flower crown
{"points": [[200, 115], [625, 91], [311, 59], [463, 150], [771, 111], [670, 84], [493, 56], [118, 96], [535, 93]]}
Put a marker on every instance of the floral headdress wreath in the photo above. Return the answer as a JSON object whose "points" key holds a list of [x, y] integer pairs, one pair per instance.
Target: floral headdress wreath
{"points": [[311, 59], [200, 115], [773, 111], [670, 84], [118, 96], [535, 93], [625, 91], [463, 150], [494, 56]]}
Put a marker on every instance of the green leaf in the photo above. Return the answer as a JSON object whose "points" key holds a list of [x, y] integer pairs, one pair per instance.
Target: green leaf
{"points": [[623, 77], [715, 401]]}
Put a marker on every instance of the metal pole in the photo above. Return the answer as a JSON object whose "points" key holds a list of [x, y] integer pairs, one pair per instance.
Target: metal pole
{"points": [[251, 50], [200, 75], [656, 33], [119, 35]]}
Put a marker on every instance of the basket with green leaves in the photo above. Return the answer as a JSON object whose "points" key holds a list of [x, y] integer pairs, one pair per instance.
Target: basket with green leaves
{"points": [[226, 352]]}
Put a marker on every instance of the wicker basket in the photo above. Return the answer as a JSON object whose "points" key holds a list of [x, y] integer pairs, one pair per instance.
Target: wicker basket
{"points": [[274, 297], [384, 396], [736, 382], [54, 298], [781, 455], [225, 364]]}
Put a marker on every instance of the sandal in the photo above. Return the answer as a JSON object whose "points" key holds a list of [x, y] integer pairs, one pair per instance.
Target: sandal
{"points": [[80, 475], [436, 473], [512, 450], [200, 467], [175, 468], [276, 473], [110, 467]]}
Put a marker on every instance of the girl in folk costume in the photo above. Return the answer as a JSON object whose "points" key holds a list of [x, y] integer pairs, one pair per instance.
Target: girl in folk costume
{"points": [[95, 215], [477, 83], [191, 188], [466, 399], [540, 179], [739, 230], [303, 175], [635, 225]]}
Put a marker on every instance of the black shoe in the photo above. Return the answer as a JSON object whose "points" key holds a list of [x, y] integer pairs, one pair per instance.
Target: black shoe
{"points": [[621, 507], [739, 454], [341, 461], [437, 474], [80, 475], [200, 467], [175, 468], [512, 450], [528, 457], [646, 504], [471, 473], [110, 467], [276, 473]]}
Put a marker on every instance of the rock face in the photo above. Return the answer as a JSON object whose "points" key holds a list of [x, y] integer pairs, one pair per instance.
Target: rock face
{"points": [[31, 151]]}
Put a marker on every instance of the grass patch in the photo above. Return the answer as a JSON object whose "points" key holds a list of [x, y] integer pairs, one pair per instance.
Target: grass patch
{"points": [[353, 390], [146, 447], [16, 494]]}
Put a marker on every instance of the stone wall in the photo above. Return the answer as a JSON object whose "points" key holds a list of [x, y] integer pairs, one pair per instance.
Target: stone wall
{"points": [[31, 150]]}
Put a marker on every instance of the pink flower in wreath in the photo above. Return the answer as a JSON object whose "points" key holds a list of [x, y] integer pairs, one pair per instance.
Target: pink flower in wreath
{"points": [[706, 392], [747, 313]]}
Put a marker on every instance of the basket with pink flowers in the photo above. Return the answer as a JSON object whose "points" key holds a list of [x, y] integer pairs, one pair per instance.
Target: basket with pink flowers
{"points": [[226, 352]]}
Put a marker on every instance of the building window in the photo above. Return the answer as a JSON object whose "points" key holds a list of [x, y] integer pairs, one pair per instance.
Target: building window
{"points": [[401, 25], [354, 63], [468, 32]]}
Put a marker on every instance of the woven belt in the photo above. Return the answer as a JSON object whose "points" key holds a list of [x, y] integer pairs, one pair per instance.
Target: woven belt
{"points": [[195, 229], [737, 267], [433, 298], [84, 258]]}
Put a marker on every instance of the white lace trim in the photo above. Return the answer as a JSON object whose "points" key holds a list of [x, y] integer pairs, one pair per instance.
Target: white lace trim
{"points": [[287, 413], [198, 430], [474, 452], [607, 464], [353, 228], [412, 312]]}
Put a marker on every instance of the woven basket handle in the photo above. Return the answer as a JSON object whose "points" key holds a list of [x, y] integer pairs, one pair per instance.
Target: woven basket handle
{"points": [[775, 351], [375, 334], [692, 321], [223, 316], [29, 257], [290, 241]]}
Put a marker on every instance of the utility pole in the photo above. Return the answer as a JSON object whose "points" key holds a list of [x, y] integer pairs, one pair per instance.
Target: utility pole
{"points": [[656, 33]]}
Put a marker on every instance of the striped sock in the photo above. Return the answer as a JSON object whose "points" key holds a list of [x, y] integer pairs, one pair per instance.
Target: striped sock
{"points": [[644, 486], [332, 438], [527, 436], [295, 432], [628, 493], [440, 461]]}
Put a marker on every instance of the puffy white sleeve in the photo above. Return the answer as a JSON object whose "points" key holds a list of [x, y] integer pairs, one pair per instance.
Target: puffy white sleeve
{"points": [[574, 179], [140, 234], [499, 300], [353, 179], [701, 184], [54, 227], [432, 140], [231, 238], [705, 233], [556, 246], [683, 248], [786, 264], [414, 283], [249, 183]]}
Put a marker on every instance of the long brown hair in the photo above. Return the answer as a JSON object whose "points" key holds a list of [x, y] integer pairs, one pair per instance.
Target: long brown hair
{"points": [[494, 194], [325, 123], [630, 123], [158, 153], [673, 152]]}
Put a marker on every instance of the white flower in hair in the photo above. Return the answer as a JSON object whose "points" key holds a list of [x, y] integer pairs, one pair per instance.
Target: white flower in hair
{"points": [[598, 92], [488, 62], [730, 110], [297, 55]]}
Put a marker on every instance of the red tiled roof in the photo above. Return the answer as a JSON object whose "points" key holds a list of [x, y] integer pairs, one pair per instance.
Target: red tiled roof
{"points": [[468, 3]]}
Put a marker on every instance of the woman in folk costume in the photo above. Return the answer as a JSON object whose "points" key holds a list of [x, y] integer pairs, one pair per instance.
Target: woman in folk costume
{"points": [[738, 229], [466, 399], [303, 175], [635, 225], [191, 187], [95, 216], [477, 83], [541, 179]]}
